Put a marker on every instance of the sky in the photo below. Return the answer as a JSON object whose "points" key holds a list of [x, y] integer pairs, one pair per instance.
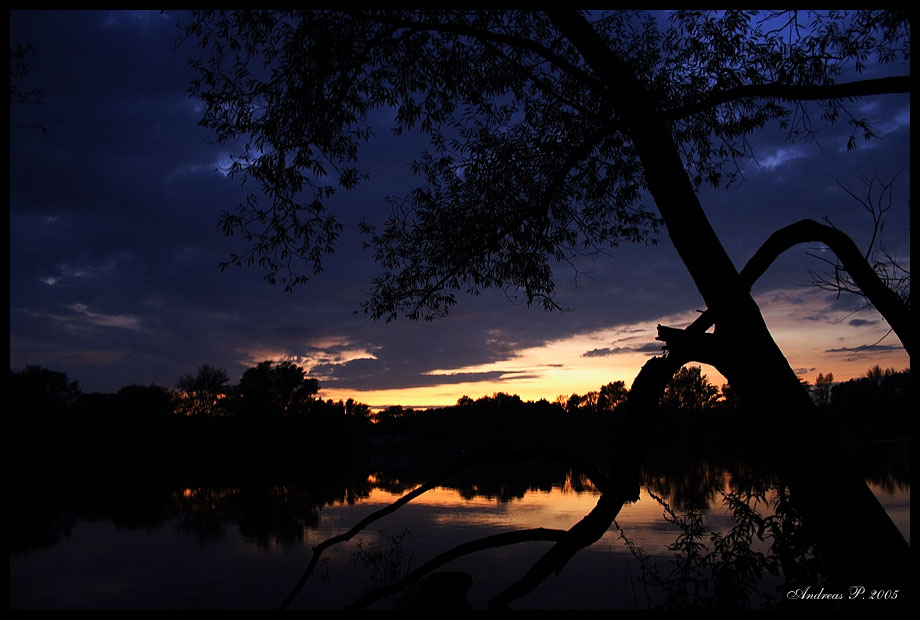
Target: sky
{"points": [[114, 249]]}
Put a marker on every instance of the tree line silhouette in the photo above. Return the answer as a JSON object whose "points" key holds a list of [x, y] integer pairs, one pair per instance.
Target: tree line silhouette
{"points": [[272, 390], [267, 390]]}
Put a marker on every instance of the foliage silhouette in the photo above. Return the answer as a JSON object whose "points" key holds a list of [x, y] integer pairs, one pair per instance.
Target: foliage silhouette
{"points": [[725, 571], [202, 392], [145, 401], [275, 391], [690, 390], [37, 391], [19, 71], [822, 392]]}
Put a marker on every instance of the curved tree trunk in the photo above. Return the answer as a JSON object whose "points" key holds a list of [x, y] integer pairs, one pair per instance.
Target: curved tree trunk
{"points": [[831, 496]]}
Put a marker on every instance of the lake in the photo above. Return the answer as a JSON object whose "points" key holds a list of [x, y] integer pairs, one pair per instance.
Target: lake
{"points": [[152, 544]]}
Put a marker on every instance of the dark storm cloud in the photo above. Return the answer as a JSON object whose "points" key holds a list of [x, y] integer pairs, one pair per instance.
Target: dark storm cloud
{"points": [[867, 349], [373, 374], [652, 347], [861, 322], [598, 352]]}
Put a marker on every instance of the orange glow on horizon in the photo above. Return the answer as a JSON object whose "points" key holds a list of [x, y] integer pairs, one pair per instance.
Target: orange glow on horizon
{"points": [[813, 339]]}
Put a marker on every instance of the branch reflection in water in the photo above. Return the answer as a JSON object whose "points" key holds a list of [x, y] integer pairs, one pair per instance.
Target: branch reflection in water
{"points": [[711, 533]]}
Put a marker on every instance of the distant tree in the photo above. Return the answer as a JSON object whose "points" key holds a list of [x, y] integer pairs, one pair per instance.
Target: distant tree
{"points": [[501, 401], [876, 375], [201, 393], [730, 398], [611, 396], [589, 402], [145, 401], [875, 406], [275, 390], [574, 403], [822, 389], [465, 401], [355, 409], [40, 391], [690, 390], [604, 400]]}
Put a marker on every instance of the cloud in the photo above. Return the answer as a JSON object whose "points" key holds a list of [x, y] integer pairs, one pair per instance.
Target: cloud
{"points": [[897, 120], [862, 322], [121, 321], [368, 374], [781, 156], [871, 347], [652, 347]]}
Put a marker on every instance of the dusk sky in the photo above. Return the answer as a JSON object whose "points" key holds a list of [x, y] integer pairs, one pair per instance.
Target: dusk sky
{"points": [[114, 248]]}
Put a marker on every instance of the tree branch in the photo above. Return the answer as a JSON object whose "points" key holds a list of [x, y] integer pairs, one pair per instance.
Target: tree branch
{"points": [[518, 42], [594, 474], [886, 301], [488, 542], [794, 92], [587, 531]]}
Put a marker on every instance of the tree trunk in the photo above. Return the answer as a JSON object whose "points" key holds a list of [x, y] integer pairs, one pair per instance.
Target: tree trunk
{"points": [[831, 496]]}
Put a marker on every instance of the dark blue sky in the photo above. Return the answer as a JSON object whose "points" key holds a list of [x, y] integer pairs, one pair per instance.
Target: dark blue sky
{"points": [[114, 248]]}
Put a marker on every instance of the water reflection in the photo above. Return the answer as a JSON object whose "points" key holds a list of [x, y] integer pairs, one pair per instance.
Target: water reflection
{"points": [[712, 533]]}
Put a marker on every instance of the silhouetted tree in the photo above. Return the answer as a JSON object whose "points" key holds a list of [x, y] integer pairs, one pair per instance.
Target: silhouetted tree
{"points": [[730, 397], [876, 375], [279, 390], [355, 409], [501, 401], [573, 403], [548, 130], [822, 389], [690, 390], [584, 403], [876, 396], [202, 392], [611, 396], [145, 401], [39, 391]]}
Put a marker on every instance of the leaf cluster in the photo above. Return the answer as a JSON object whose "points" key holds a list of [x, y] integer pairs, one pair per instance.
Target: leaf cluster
{"points": [[528, 164]]}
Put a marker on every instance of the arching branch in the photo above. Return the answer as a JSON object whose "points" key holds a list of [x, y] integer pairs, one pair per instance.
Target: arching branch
{"points": [[587, 531], [594, 474], [886, 301], [794, 92], [539, 534]]}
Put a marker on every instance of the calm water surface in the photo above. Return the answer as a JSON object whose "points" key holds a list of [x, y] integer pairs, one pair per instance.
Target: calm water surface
{"points": [[209, 553]]}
